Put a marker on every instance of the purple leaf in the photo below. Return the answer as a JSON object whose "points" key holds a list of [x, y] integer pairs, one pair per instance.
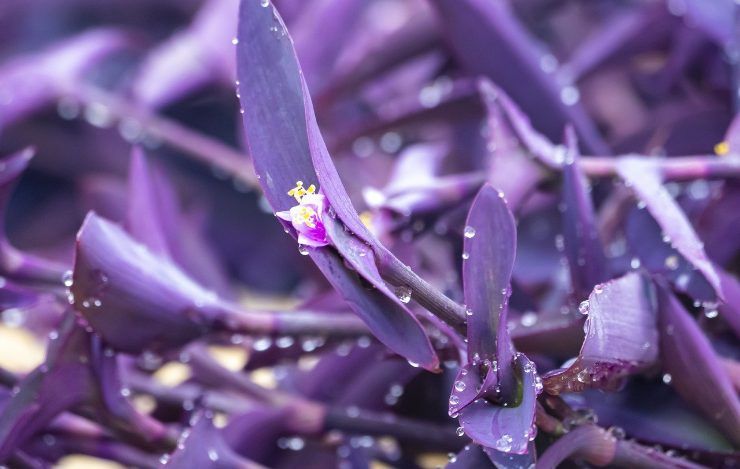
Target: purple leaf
{"points": [[286, 146], [507, 429], [155, 219], [645, 180], [203, 446], [132, 297], [490, 246], [511, 170], [660, 258], [695, 369], [586, 260], [621, 337]]}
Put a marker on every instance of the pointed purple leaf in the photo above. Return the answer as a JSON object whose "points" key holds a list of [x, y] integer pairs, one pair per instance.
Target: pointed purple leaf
{"points": [[645, 180], [132, 297], [286, 146], [586, 260]]}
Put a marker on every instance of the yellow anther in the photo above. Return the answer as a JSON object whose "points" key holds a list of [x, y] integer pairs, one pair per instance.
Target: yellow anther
{"points": [[722, 148], [298, 191], [307, 216]]}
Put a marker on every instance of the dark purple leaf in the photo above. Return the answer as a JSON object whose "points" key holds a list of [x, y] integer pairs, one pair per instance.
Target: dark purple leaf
{"points": [[695, 369], [286, 146], [135, 299], [586, 260], [644, 178], [202, 445]]}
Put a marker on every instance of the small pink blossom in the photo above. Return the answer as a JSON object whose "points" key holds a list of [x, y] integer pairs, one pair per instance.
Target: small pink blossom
{"points": [[307, 217]]}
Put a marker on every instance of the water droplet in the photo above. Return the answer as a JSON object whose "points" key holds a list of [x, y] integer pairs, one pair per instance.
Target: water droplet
{"points": [[303, 250], [504, 443], [667, 378], [363, 147], [570, 95], [584, 307], [469, 232], [98, 115], [164, 458], [538, 386], [468, 311], [391, 142], [125, 392], [265, 3], [460, 386], [465, 255], [529, 319], [67, 279], [671, 262], [413, 364], [460, 431], [403, 294], [262, 344], [454, 400], [582, 376], [548, 63], [235, 41], [212, 455], [617, 432], [53, 335], [284, 342], [68, 108], [598, 288], [635, 263], [711, 313]]}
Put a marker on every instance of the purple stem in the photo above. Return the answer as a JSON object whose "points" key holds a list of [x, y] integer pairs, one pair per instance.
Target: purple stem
{"points": [[238, 321], [680, 168]]}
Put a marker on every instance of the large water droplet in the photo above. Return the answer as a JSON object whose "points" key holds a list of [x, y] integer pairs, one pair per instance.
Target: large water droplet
{"points": [[465, 255], [469, 232], [504, 443], [212, 455], [454, 400], [667, 378], [303, 250], [584, 307], [460, 431], [460, 386], [265, 3], [403, 294]]}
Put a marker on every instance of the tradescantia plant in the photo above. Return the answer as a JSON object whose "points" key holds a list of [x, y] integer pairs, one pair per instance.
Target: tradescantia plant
{"points": [[425, 233]]}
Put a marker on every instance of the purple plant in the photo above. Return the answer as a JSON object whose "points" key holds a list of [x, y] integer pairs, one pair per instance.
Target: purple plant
{"points": [[454, 286]]}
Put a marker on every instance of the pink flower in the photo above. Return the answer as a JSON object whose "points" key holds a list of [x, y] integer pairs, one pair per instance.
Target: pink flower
{"points": [[307, 217]]}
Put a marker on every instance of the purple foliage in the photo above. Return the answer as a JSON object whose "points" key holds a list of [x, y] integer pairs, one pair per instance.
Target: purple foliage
{"points": [[354, 233]]}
